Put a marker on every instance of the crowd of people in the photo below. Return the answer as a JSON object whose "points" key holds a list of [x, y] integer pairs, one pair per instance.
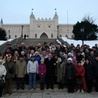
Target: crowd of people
{"points": [[75, 68]]}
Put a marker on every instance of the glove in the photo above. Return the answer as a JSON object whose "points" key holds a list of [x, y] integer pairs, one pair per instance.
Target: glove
{"points": [[2, 76]]}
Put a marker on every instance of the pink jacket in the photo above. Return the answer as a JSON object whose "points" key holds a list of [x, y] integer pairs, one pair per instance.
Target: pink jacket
{"points": [[42, 70]]}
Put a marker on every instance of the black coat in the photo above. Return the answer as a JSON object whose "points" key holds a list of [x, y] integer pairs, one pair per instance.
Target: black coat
{"points": [[88, 71], [70, 71], [50, 72], [95, 68]]}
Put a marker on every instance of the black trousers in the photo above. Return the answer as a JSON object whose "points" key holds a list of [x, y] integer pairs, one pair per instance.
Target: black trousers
{"points": [[96, 84], [49, 82], [1, 91], [89, 83], [20, 83], [70, 83]]}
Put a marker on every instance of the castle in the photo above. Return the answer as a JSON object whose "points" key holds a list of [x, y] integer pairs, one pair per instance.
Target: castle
{"points": [[39, 28]]}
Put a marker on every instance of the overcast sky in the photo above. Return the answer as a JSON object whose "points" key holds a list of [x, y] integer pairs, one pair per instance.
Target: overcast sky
{"points": [[18, 11]]}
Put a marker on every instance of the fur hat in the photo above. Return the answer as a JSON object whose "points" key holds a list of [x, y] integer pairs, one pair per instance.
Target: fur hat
{"points": [[69, 59]]}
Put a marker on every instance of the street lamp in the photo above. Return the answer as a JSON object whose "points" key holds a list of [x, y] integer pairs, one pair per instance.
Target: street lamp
{"points": [[22, 31], [9, 34], [82, 32]]}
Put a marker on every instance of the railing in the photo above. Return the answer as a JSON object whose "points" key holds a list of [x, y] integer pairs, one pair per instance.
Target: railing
{"points": [[13, 42]]}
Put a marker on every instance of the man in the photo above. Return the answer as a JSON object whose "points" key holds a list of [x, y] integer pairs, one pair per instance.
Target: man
{"points": [[32, 70], [50, 73], [95, 70], [10, 67], [20, 72]]}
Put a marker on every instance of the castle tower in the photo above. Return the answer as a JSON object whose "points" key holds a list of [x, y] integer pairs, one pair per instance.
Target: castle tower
{"points": [[43, 28], [32, 18]]}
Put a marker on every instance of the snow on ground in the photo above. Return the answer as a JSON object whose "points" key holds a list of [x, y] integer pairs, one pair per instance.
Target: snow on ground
{"points": [[2, 42], [75, 42]]}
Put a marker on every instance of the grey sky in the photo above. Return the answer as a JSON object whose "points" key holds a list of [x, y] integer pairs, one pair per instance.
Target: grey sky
{"points": [[18, 11]]}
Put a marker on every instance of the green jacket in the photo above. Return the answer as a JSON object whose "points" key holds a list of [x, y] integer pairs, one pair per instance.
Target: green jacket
{"points": [[10, 67]]}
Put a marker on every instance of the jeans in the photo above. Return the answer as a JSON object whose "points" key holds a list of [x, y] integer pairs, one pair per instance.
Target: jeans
{"points": [[32, 80], [42, 79]]}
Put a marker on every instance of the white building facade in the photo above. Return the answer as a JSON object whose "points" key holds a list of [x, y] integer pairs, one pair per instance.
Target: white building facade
{"points": [[39, 28]]}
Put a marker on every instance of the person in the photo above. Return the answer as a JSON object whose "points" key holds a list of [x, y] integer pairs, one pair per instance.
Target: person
{"points": [[32, 70], [80, 76], [42, 73], [10, 67], [89, 75], [20, 72], [60, 73], [2, 75], [95, 70], [70, 75], [50, 73]]}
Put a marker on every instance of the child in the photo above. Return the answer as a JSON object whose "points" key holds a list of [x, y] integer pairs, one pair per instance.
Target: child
{"points": [[80, 77], [42, 73]]}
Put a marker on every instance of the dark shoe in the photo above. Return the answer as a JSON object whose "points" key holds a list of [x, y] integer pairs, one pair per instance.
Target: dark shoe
{"points": [[34, 88], [10, 93]]}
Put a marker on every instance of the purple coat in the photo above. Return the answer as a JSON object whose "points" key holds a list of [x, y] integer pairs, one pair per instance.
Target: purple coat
{"points": [[42, 70]]}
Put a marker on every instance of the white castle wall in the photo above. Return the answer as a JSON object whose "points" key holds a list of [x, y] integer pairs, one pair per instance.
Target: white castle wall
{"points": [[38, 27]]}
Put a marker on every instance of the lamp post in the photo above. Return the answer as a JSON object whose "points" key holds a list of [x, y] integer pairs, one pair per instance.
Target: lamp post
{"points": [[9, 34], [22, 31], [82, 32]]}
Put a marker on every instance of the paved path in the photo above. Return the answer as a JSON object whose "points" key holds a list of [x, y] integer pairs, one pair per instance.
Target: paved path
{"points": [[50, 94]]}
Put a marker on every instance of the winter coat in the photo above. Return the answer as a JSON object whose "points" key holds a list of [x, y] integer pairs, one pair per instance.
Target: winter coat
{"points": [[2, 71], [88, 71], [95, 68], [20, 69], [10, 67], [32, 67], [37, 58], [50, 67], [80, 71], [60, 71], [42, 70], [70, 71]]}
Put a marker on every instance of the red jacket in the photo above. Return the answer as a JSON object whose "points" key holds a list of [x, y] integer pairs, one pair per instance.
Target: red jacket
{"points": [[80, 71]]}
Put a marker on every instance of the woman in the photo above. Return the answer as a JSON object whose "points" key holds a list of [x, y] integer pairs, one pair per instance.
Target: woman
{"points": [[80, 75], [42, 74], [89, 75], [60, 72], [2, 76], [70, 75]]}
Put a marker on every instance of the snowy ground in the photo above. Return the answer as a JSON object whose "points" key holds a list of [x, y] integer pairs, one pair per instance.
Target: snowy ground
{"points": [[75, 42], [2, 42]]}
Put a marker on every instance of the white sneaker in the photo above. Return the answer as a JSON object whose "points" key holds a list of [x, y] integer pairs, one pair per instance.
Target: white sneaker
{"points": [[82, 91], [78, 91]]}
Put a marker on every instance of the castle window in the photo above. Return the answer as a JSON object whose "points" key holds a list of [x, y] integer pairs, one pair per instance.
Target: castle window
{"points": [[35, 35], [51, 35], [60, 35], [49, 25], [38, 25]]}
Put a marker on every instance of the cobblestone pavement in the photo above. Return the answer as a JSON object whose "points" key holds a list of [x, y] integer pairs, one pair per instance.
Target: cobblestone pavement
{"points": [[49, 94]]}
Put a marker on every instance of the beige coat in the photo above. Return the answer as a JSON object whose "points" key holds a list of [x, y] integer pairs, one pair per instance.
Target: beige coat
{"points": [[20, 69], [60, 71]]}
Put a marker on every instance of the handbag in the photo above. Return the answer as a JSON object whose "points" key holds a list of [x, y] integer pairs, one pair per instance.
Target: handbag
{"points": [[2, 83], [79, 81]]}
